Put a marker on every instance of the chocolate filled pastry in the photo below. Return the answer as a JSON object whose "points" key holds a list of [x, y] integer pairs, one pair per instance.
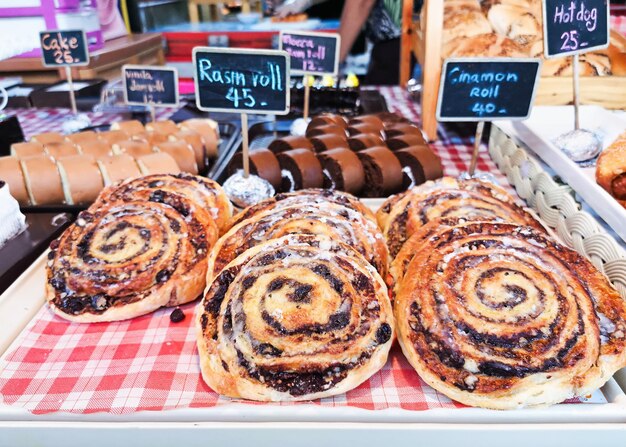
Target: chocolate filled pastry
{"points": [[371, 120], [48, 137], [342, 170], [500, 316], [194, 140], [611, 170], [329, 219], [289, 143], [134, 148], [42, 181], [25, 150], [80, 138], [208, 130], [318, 322], [81, 178], [126, 259], [166, 127], [182, 153], [390, 119], [329, 129], [404, 141], [419, 164], [327, 142], [157, 163], [300, 169], [326, 119], [205, 193], [473, 199], [263, 162], [305, 196], [398, 130], [111, 137], [364, 128], [365, 141], [11, 173], [118, 167], [95, 148], [131, 127], [383, 172], [60, 150]]}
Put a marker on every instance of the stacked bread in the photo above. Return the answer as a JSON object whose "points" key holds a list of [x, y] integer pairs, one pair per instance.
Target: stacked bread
{"points": [[611, 169], [296, 307], [54, 168], [141, 246], [514, 28], [370, 155], [489, 309]]}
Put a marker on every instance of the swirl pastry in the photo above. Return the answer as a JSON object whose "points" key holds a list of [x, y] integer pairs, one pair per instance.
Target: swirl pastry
{"points": [[305, 197], [206, 193], [326, 218], [295, 318], [125, 259], [472, 199], [500, 316], [611, 170]]}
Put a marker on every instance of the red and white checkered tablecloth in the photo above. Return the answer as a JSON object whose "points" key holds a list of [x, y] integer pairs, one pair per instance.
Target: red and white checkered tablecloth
{"points": [[618, 23], [151, 364]]}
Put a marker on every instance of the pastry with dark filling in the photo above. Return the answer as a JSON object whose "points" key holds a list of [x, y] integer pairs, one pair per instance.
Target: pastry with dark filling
{"points": [[329, 129], [290, 142], [419, 164], [365, 141], [263, 162], [342, 170], [300, 169], [327, 142], [400, 142], [383, 172]]}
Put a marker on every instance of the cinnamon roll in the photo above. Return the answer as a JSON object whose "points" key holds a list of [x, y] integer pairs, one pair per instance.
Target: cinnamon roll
{"points": [[500, 316], [296, 318]]}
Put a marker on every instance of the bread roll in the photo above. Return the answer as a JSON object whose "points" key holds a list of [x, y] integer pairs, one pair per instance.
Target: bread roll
{"points": [[611, 170], [515, 22], [25, 150], [158, 163], [48, 137], [60, 150], [11, 173], [151, 137], [133, 148], [111, 137], [118, 167], [487, 45], [182, 153], [96, 149], [193, 139], [209, 131], [131, 127], [42, 180], [81, 137], [81, 179], [167, 127]]}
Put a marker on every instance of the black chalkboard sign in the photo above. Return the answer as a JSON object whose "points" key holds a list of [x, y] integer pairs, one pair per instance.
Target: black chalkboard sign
{"points": [[150, 85], [476, 89], [574, 26], [238, 80], [311, 53], [67, 47]]}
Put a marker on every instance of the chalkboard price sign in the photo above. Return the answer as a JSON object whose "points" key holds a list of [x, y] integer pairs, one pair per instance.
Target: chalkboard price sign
{"points": [[575, 26], [311, 53], [238, 80], [477, 89], [146, 85], [67, 47]]}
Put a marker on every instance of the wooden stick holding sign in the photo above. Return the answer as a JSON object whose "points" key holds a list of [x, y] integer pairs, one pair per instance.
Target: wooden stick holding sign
{"points": [[476, 89], [311, 54], [150, 86]]}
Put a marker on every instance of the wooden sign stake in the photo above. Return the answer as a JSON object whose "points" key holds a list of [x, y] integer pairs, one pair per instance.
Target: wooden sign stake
{"points": [[307, 93], [477, 139], [575, 80], [152, 112], [68, 75], [245, 152]]}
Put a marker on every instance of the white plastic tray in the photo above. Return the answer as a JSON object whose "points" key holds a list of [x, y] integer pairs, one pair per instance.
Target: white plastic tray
{"points": [[548, 122]]}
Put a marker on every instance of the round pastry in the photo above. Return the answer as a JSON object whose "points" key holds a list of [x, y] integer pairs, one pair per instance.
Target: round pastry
{"points": [[326, 119], [383, 172], [151, 137], [116, 168], [182, 153], [126, 259], [209, 131], [193, 139], [206, 193], [401, 142], [371, 120], [84, 137], [134, 148], [330, 219], [25, 150], [365, 141], [500, 316], [289, 143], [166, 127], [263, 162], [611, 170], [402, 129], [391, 119], [157, 163], [300, 169], [81, 179], [111, 137], [95, 148], [60, 150], [342, 170], [42, 181], [48, 137], [326, 142], [329, 129], [308, 197], [247, 190], [364, 128], [419, 164], [11, 173], [472, 199], [131, 127], [315, 327]]}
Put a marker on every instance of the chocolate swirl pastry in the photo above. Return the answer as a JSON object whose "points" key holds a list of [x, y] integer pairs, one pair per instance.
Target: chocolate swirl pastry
{"points": [[472, 199], [295, 318], [325, 218], [500, 316], [205, 193], [125, 259]]}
